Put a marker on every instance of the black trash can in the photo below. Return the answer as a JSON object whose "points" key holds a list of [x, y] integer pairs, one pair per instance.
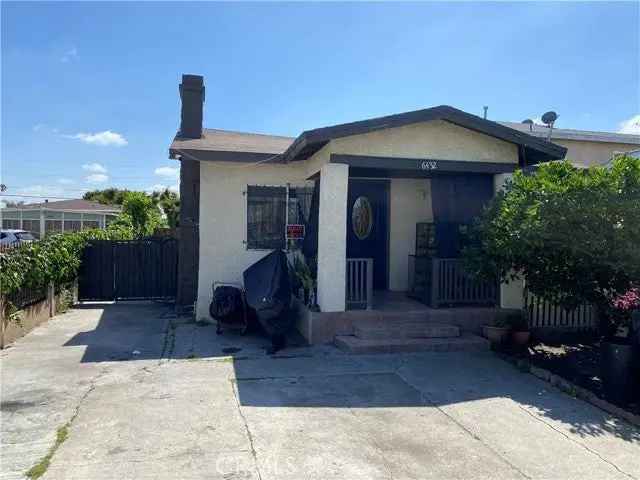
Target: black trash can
{"points": [[618, 370]]}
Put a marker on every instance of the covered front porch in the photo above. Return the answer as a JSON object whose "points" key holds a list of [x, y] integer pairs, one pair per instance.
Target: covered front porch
{"points": [[391, 232]]}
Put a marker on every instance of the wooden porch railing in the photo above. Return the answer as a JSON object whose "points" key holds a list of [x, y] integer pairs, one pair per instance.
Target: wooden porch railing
{"points": [[359, 291], [443, 281]]}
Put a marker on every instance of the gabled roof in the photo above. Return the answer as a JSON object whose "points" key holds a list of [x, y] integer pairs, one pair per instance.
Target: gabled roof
{"points": [[224, 145], [79, 205], [571, 134], [536, 149]]}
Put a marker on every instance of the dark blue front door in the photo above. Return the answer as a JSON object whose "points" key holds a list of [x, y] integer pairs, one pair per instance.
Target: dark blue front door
{"points": [[367, 225]]}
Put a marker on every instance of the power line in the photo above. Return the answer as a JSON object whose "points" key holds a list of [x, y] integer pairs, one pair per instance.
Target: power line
{"points": [[36, 196]]}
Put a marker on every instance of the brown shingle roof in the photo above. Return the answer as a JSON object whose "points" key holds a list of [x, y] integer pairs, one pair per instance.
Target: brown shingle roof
{"points": [[229, 141], [71, 205]]}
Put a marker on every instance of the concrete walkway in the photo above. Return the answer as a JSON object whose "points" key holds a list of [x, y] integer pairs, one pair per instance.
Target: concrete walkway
{"points": [[148, 396]]}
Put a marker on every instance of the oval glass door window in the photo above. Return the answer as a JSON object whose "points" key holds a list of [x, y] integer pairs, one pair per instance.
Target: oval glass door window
{"points": [[362, 218]]}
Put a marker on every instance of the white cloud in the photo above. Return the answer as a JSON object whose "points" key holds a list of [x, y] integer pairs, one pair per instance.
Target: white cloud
{"points": [[94, 168], [106, 138], [630, 125], [65, 181], [97, 178], [167, 172], [69, 55]]}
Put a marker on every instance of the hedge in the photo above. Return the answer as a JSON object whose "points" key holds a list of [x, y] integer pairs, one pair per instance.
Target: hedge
{"points": [[54, 259]]}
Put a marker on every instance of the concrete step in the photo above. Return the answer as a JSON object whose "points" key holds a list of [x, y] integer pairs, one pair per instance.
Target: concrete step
{"points": [[465, 343], [405, 329]]}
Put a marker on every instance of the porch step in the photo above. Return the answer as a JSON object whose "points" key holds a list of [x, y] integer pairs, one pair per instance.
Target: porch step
{"points": [[404, 330], [465, 343]]}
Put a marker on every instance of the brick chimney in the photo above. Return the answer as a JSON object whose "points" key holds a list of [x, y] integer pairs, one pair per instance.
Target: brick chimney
{"points": [[192, 95]]}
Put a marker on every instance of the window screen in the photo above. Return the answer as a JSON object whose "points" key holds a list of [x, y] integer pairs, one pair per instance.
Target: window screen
{"points": [[266, 217], [10, 224], [32, 226]]}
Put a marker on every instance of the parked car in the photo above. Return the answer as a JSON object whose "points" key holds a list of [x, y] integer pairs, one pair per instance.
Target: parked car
{"points": [[15, 237]]}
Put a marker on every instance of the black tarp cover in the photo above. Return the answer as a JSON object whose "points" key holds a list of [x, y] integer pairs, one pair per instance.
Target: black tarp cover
{"points": [[268, 292]]}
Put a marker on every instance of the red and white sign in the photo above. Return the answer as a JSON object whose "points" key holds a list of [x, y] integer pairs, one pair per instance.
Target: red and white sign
{"points": [[295, 231]]}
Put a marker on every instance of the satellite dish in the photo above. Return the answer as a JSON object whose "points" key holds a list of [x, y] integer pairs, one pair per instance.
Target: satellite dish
{"points": [[549, 117]]}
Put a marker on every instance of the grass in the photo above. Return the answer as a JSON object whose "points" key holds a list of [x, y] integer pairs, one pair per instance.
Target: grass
{"points": [[41, 467]]}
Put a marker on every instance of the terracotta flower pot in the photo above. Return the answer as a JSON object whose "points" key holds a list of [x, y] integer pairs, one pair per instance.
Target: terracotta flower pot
{"points": [[521, 338], [496, 335]]}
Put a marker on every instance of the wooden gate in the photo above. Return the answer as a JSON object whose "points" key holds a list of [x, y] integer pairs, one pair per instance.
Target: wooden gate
{"points": [[129, 269]]}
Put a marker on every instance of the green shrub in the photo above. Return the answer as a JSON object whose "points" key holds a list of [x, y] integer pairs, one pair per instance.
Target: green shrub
{"points": [[573, 235], [55, 259]]}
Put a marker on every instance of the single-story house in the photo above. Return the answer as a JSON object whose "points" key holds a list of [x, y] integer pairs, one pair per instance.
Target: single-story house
{"points": [[380, 202], [58, 216]]}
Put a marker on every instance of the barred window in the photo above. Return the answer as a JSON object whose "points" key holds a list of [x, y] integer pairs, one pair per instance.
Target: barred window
{"points": [[266, 217], [268, 211]]}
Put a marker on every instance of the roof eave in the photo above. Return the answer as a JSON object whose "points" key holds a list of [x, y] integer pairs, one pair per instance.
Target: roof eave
{"points": [[311, 141]]}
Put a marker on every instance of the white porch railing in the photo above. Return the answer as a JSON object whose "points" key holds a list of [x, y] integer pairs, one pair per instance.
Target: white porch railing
{"points": [[359, 292]]}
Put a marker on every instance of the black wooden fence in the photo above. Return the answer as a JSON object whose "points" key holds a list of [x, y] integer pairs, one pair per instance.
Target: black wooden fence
{"points": [[129, 269]]}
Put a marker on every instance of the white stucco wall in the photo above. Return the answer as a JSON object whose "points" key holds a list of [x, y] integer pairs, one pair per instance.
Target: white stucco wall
{"points": [[592, 153], [223, 220], [434, 139], [410, 203], [332, 237]]}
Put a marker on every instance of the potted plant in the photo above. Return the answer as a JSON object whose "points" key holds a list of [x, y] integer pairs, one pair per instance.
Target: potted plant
{"points": [[498, 332], [617, 351], [304, 278], [520, 333]]}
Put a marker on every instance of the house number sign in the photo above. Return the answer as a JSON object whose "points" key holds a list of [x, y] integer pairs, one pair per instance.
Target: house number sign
{"points": [[428, 165]]}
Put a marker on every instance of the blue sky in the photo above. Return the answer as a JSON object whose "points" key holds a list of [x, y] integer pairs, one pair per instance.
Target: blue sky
{"points": [[90, 90]]}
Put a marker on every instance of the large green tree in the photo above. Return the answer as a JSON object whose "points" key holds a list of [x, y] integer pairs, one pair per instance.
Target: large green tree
{"points": [[572, 234], [167, 200], [139, 211], [107, 196], [169, 203]]}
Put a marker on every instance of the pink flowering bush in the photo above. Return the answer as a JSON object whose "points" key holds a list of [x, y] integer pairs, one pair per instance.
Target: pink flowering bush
{"points": [[629, 301]]}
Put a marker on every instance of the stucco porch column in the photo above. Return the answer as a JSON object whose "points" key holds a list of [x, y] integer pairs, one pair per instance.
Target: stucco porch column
{"points": [[332, 237], [512, 293]]}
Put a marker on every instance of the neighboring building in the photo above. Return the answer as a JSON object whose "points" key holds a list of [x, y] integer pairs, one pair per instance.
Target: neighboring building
{"points": [[584, 148], [58, 216], [359, 189]]}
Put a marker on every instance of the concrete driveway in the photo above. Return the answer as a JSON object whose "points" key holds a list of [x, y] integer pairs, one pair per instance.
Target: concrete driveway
{"points": [[142, 394]]}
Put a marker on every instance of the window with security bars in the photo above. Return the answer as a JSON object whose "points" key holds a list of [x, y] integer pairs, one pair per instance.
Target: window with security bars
{"points": [[268, 211], [266, 217]]}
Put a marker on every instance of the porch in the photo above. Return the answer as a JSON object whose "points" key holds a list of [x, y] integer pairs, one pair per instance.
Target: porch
{"points": [[395, 322], [401, 229]]}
